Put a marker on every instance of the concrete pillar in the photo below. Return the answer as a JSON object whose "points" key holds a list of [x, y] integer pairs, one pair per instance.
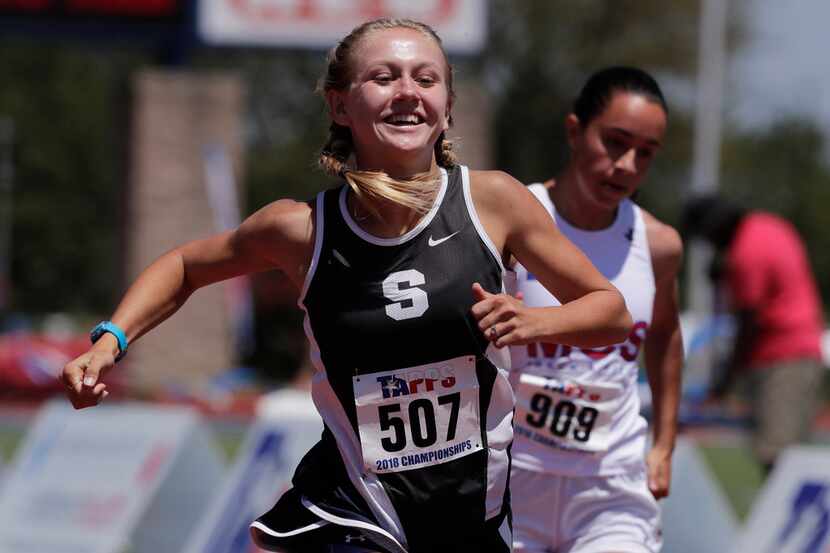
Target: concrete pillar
{"points": [[176, 117], [472, 129]]}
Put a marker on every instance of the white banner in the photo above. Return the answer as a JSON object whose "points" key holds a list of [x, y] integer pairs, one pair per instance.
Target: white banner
{"points": [[116, 478], [461, 24], [696, 517]]}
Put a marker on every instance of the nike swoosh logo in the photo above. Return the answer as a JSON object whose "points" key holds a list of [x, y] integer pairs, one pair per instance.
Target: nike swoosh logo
{"points": [[433, 243]]}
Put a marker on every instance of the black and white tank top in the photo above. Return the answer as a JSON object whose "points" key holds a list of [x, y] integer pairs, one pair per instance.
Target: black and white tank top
{"points": [[417, 408]]}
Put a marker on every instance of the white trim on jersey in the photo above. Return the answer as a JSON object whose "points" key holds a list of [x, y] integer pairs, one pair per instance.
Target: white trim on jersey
{"points": [[541, 193], [641, 231], [367, 484], [351, 523], [499, 429], [397, 241], [297, 531], [471, 208], [318, 244], [319, 226], [506, 533], [332, 411]]}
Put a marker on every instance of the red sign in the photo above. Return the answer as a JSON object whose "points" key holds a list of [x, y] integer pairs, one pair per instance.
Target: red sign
{"points": [[320, 23], [320, 11], [152, 9]]}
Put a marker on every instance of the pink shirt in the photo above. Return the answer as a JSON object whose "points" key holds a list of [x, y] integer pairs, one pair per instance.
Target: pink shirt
{"points": [[768, 272]]}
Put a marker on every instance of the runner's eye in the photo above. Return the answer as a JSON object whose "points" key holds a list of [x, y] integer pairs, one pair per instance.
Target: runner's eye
{"points": [[614, 143]]}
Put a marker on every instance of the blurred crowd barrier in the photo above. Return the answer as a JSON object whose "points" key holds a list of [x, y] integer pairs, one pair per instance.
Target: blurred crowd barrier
{"points": [[136, 477], [145, 478]]}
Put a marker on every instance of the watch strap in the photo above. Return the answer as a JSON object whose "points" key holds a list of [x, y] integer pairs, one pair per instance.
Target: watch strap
{"points": [[109, 327]]}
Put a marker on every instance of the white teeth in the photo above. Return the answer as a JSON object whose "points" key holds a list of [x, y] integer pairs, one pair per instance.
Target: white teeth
{"points": [[406, 119]]}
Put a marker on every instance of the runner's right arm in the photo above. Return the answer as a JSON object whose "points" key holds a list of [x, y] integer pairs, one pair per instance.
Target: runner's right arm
{"points": [[279, 236]]}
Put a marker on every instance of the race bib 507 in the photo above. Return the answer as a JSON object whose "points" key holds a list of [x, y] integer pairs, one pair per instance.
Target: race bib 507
{"points": [[418, 416]]}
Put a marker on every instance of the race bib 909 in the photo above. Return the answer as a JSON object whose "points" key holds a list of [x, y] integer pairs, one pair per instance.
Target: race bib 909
{"points": [[566, 414], [418, 416]]}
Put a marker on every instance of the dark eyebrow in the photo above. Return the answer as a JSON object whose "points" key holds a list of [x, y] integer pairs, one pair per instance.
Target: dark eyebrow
{"points": [[628, 134]]}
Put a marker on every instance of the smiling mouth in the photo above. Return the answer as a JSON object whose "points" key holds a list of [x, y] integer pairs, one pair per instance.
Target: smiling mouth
{"points": [[403, 120], [615, 187]]}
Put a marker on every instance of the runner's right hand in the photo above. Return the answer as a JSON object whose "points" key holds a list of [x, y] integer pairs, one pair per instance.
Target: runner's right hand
{"points": [[81, 377]]}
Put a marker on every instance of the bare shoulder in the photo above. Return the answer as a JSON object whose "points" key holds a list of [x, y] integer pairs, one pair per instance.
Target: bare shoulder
{"points": [[283, 219], [510, 213], [282, 231], [493, 181], [665, 245], [497, 190]]}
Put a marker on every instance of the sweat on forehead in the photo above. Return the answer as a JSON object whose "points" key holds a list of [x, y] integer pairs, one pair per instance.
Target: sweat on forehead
{"points": [[341, 59], [401, 42]]}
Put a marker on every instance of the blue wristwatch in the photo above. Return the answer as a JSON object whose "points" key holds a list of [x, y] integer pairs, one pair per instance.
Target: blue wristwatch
{"points": [[107, 326]]}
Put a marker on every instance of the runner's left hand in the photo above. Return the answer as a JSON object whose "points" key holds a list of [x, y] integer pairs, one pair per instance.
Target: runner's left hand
{"points": [[658, 464], [503, 319]]}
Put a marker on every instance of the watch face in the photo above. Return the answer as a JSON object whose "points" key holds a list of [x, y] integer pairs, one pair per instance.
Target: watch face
{"points": [[98, 331], [106, 326]]}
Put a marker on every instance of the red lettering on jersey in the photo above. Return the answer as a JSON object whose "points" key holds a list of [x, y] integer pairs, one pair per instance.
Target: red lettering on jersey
{"points": [[413, 385], [448, 382], [430, 383], [594, 397], [574, 391], [599, 353], [631, 348], [548, 350]]}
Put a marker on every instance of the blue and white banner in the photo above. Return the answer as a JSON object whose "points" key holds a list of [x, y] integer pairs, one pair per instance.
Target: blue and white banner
{"points": [[261, 474], [792, 513], [115, 478]]}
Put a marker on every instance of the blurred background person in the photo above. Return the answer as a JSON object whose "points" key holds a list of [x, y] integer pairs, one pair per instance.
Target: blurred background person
{"points": [[581, 479], [761, 267]]}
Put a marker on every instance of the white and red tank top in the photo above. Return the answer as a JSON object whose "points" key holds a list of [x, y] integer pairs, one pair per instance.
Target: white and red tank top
{"points": [[577, 410]]}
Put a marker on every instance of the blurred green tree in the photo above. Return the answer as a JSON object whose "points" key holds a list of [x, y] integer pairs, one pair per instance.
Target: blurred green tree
{"points": [[541, 53], [67, 106]]}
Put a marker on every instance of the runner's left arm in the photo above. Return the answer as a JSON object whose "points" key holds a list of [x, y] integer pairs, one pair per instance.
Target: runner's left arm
{"points": [[593, 311], [664, 353]]}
